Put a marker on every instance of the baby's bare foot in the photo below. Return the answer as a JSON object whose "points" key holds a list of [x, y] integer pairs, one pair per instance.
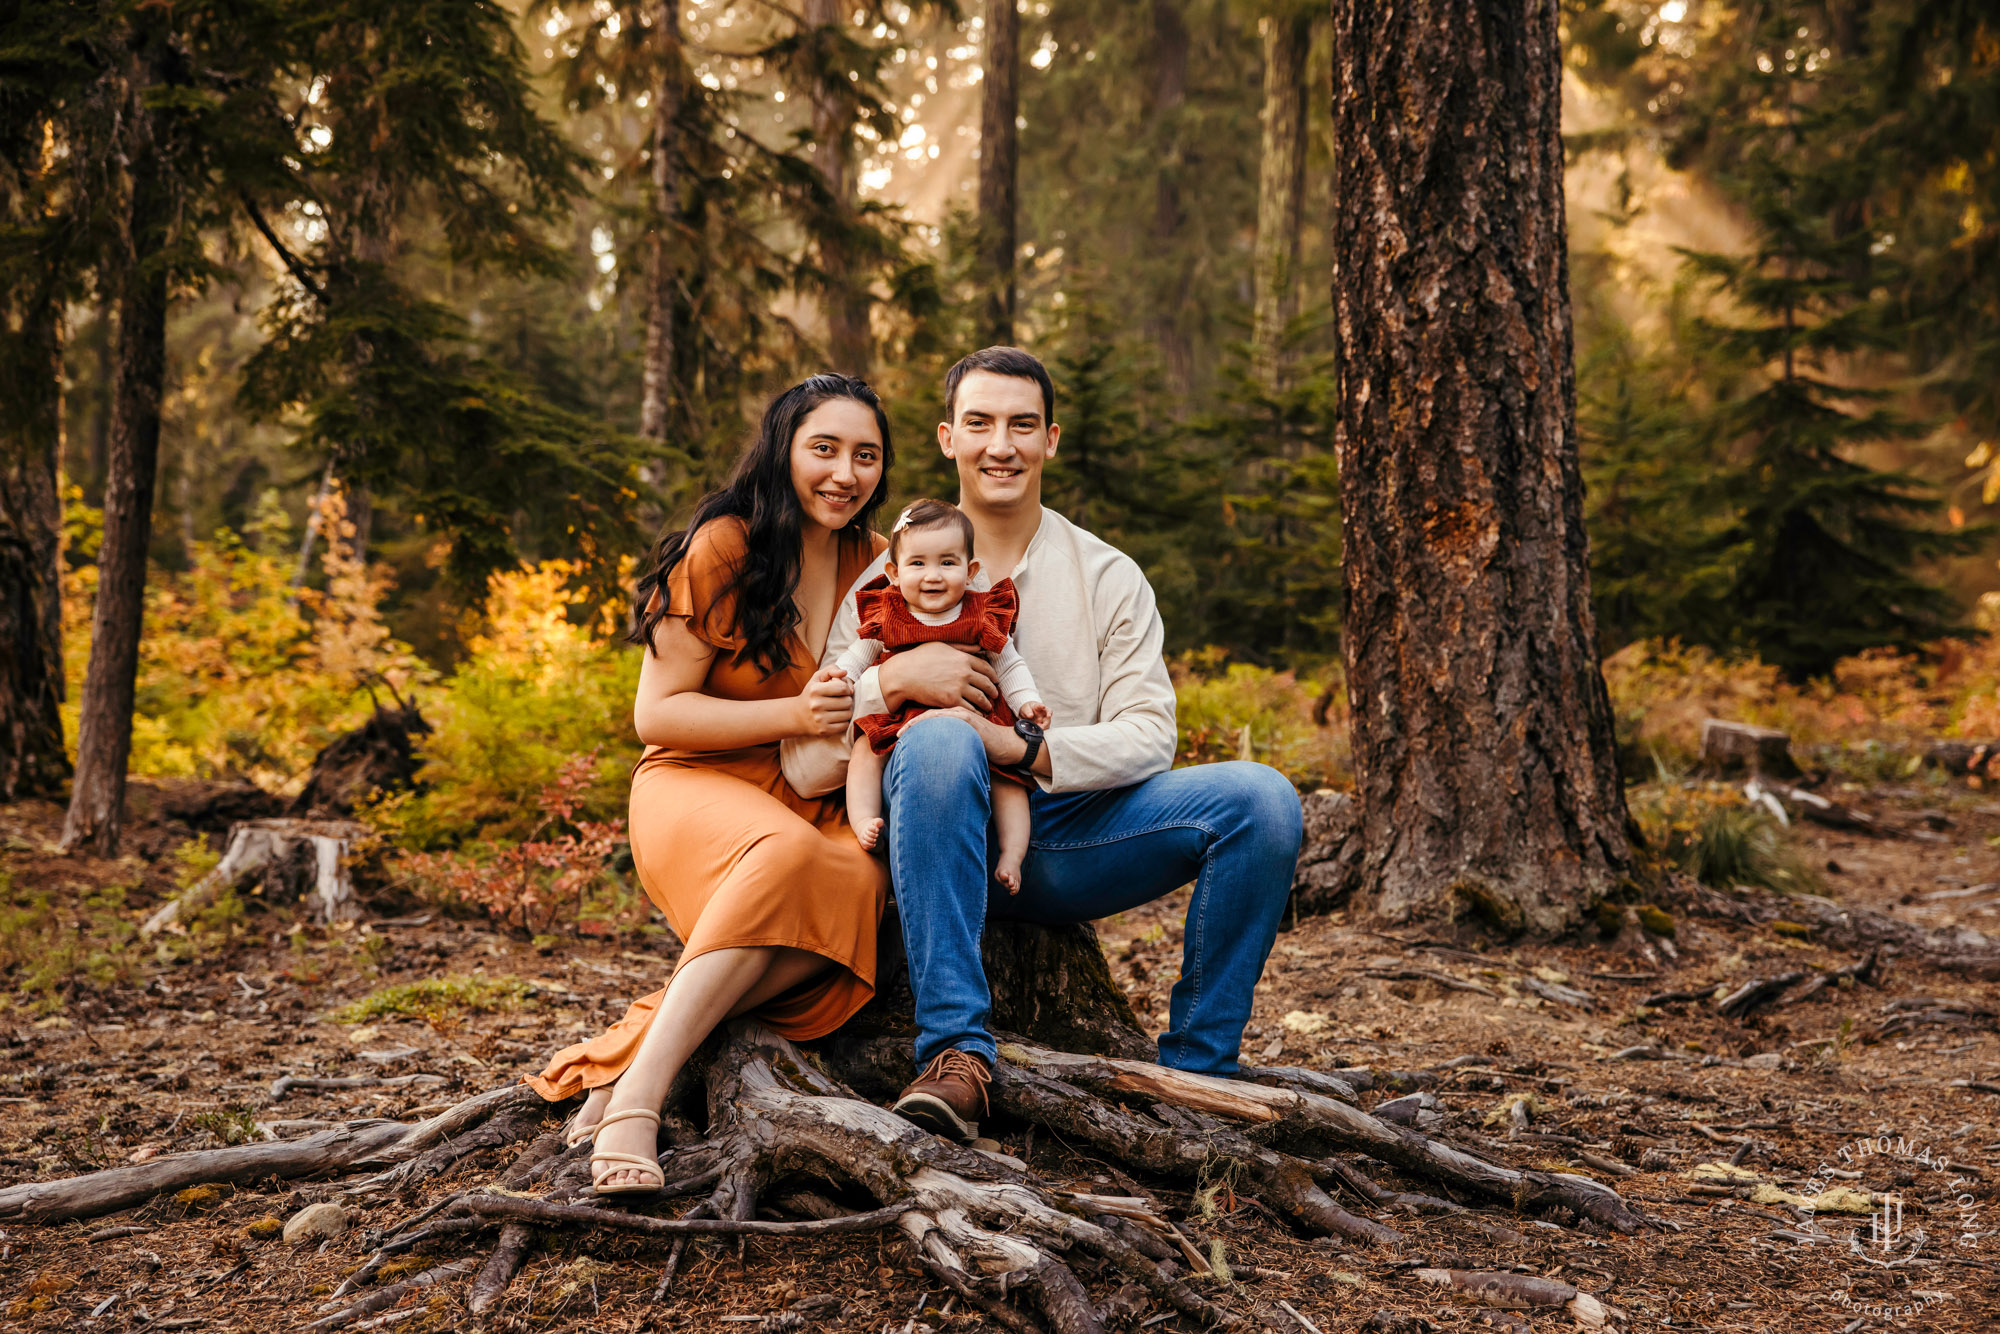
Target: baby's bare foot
{"points": [[868, 833]]}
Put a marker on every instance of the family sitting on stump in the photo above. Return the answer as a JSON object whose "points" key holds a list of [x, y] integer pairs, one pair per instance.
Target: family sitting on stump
{"points": [[817, 700]]}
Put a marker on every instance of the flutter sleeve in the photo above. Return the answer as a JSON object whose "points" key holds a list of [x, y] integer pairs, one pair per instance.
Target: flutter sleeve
{"points": [[1000, 607], [871, 601], [698, 588]]}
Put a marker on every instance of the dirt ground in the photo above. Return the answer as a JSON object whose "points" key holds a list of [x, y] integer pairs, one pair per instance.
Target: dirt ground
{"points": [[184, 1057]]}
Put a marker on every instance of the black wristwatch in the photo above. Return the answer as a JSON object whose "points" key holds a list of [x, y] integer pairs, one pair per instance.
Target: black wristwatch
{"points": [[1032, 734]]}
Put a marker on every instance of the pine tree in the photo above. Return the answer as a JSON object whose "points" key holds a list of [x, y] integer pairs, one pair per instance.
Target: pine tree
{"points": [[1824, 551]]}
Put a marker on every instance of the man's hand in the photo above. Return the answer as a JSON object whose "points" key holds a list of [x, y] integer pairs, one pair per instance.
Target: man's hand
{"points": [[942, 676], [1004, 746], [826, 704]]}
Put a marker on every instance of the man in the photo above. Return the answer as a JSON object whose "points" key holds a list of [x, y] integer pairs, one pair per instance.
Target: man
{"points": [[1115, 825]]}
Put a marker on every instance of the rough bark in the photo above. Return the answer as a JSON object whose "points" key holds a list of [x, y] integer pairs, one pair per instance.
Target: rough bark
{"points": [[999, 163], [662, 279], [850, 346], [1281, 188], [104, 731], [1482, 728], [32, 760]]}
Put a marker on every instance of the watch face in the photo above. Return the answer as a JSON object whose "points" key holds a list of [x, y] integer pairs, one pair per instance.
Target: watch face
{"points": [[1026, 728]]}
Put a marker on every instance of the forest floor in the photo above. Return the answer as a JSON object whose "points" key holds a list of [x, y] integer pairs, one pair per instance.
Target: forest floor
{"points": [[182, 1055]]}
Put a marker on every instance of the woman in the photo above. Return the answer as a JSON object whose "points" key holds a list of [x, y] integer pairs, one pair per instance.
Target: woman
{"points": [[776, 901]]}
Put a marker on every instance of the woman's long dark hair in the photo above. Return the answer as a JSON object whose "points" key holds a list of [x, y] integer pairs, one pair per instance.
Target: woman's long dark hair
{"points": [[759, 492]]}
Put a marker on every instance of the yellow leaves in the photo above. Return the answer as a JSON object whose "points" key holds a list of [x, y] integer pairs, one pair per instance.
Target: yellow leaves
{"points": [[1305, 1023], [1726, 1173]]}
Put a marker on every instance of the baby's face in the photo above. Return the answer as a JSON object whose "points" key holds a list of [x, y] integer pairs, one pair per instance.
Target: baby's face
{"points": [[932, 568]]}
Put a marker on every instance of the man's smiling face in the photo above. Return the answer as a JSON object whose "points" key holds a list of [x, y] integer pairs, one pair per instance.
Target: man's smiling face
{"points": [[1000, 438]]}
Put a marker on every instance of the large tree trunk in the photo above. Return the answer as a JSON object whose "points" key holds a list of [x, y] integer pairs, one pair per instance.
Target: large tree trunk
{"points": [[104, 733], [1281, 188], [999, 162], [849, 344], [1482, 727], [32, 760], [662, 280]]}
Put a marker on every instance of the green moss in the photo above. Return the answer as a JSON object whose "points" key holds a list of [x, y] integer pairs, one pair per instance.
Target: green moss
{"points": [[264, 1229], [1796, 930], [1496, 908], [438, 997], [1656, 919]]}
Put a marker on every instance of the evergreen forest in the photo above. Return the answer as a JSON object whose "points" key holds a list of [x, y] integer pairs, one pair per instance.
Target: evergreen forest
{"points": [[354, 355]]}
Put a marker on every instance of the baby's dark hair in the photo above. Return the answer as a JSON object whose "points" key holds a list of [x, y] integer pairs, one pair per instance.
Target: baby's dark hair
{"points": [[924, 515]]}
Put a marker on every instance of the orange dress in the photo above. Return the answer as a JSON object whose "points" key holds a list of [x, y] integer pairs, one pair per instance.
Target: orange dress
{"points": [[730, 853]]}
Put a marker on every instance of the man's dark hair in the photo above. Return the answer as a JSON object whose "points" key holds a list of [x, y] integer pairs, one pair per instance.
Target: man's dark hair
{"points": [[1009, 361]]}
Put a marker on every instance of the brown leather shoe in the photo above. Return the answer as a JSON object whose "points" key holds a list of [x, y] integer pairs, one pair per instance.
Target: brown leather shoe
{"points": [[948, 1095]]}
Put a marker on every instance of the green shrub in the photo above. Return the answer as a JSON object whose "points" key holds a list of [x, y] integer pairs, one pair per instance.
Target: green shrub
{"points": [[536, 692], [1236, 711], [1710, 832]]}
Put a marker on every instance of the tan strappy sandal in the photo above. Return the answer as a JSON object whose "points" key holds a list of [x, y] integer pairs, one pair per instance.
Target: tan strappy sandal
{"points": [[603, 1164], [574, 1134]]}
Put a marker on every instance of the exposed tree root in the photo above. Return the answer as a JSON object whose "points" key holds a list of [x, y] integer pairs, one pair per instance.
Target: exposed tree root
{"points": [[1952, 950], [782, 1129]]}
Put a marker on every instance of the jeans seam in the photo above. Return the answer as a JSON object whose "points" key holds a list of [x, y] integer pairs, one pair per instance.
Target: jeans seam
{"points": [[1128, 834], [1200, 942]]}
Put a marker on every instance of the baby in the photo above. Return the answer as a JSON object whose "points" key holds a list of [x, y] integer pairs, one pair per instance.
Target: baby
{"points": [[921, 598]]}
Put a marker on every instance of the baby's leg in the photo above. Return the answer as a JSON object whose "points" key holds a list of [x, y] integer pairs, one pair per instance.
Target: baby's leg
{"points": [[1013, 824], [864, 792]]}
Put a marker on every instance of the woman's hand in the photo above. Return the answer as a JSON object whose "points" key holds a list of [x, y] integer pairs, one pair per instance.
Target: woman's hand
{"points": [[826, 705]]}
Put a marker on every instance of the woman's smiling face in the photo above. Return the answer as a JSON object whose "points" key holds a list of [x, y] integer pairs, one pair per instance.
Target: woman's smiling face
{"points": [[836, 461]]}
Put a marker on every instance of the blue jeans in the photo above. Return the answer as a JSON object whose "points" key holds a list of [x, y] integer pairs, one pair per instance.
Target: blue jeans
{"points": [[1233, 829]]}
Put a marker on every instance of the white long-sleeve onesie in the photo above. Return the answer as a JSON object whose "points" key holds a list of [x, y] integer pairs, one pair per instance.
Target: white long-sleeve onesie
{"points": [[1017, 683]]}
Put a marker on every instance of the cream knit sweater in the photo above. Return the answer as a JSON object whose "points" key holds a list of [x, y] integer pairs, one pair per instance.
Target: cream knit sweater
{"points": [[1090, 632]]}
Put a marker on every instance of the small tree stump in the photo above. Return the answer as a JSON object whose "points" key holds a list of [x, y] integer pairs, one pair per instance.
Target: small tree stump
{"points": [[1730, 748], [289, 860]]}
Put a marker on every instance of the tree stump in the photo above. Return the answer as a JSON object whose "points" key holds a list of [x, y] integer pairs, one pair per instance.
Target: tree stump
{"points": [[1050, 985], [378, 756], [283, 860], [1731, 748]]}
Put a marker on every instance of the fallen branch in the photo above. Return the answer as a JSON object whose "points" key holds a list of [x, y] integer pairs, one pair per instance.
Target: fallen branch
{"points": [[357, 1146], [1520, 1292], [1445, 980], [286, 1083]]}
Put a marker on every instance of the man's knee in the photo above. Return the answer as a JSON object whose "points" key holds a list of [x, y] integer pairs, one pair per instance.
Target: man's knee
{"points": [[1262, 802], [937, 755]]}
